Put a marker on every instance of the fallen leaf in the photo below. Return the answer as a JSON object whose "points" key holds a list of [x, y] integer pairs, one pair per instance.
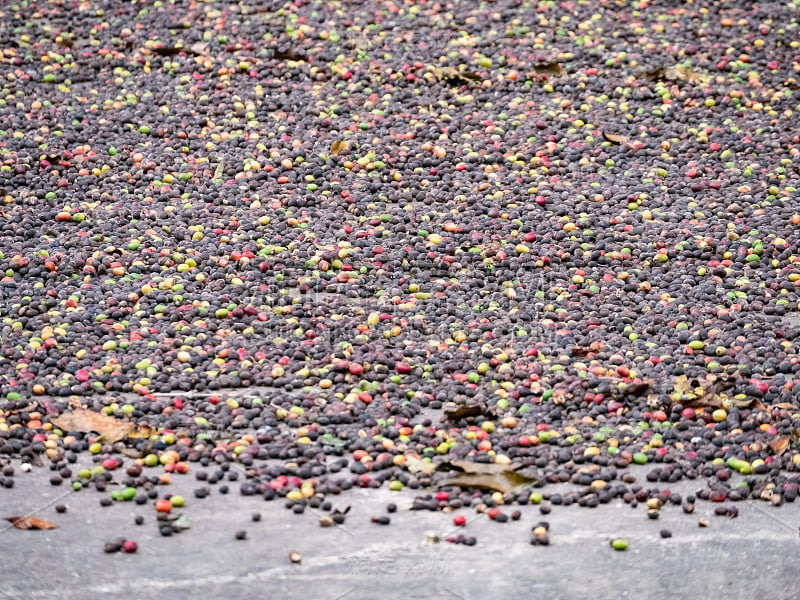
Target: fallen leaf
{"points": [[27, 408], [716, 384], [486, 476], [682, 385], [30, 523], [167, 50], [417, 465], [784, 406], [615, 138], [199, 48], [549, 68], [134, 453], [289, 54], [141, 432], [339, 146], [453, 75], [110, 429], [780, 445], [637, 388], [455, 411], [710, 393], [677, 73]]}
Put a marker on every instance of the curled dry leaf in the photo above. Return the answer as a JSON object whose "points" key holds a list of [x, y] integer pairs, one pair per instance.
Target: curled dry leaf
{"points": [[289, 54], [110, 429], [677, 73], [455, 411], [636, 388], [339, 146], [709, 393], [784, 406], [780, 445], [167, 50], [453, 75], [615, 138], [30, 523], [549, 68], [487, 476], [27, 408], [417, 465], [199, 48]]}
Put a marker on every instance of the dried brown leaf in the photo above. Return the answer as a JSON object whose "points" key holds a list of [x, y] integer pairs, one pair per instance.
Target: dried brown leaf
{"points": [[167, 50], [339, 146], [133, 453], [198, 48], [416, 465], [453, 75], [615, 138], [27, 408], [455, 411], [549, 68], [711, 393], [487, 476], [141, 432], [784, 406], [676, 73], [289, 54], [682, 385], [637, 388], [716, 384], [780, 445], [30, 523], [109, 428]]}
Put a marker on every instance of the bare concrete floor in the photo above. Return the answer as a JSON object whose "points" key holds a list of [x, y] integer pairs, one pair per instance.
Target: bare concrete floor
{"points": [[751, 556]]}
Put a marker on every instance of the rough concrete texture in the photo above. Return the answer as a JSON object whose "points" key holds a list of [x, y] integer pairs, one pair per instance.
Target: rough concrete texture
{"points": [[751, 556]]}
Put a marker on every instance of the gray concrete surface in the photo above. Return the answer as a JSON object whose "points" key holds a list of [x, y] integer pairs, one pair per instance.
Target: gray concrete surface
{"points": [[751, 556]]}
